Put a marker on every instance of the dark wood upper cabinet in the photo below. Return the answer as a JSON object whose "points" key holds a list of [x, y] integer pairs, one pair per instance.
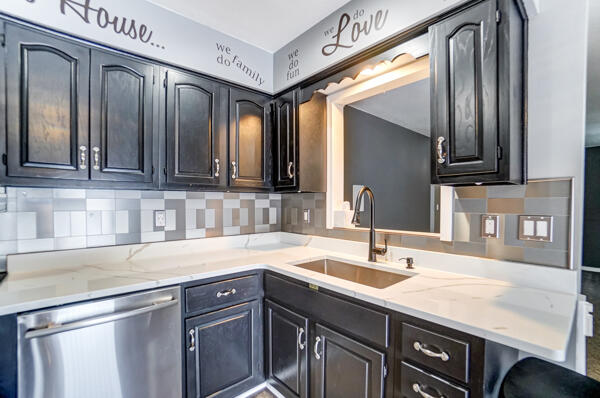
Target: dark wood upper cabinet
{"points": [[123, 95], [477, 95], [250, 148], [287, 350], [285, 126], [47, 106], [196, 130]]}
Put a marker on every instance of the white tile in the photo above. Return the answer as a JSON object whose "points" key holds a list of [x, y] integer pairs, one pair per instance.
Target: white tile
{"points": [[214, 195], [100, 193], [108, 222], [11, 192], [94, 223], [26, 225], [261, 203], [100, 204], [209, 218], [272, 215], [122, 222], [231, 203], [73, 242], [152, 204], [247, 195], [157, 236], [171, 220], [174, 194], [275, 196], [231, 230], [8, 226], [78, 223], [128, 194], [69, 193], [35, 245], [147, 220], [195, 203], [261, 228], [243, 217], [190, 218], [195, 233], [62, 224], [101, 240], [8, 247]]}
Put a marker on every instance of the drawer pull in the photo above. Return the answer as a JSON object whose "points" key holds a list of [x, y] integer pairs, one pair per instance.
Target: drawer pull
{"points": [[418, 389], [301, 345], [444, 356], [192, 340], [316, 349], [225, 293]]}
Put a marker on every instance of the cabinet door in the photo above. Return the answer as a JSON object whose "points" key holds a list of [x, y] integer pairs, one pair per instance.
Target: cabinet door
{"points": [[224, 351], [464, 113], [195, 130], [250, 140], [287, 350], [123, 95], [47, 106], [345, 368], [286, 136]]}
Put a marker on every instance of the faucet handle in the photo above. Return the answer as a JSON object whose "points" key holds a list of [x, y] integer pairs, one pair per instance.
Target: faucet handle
{"points": [[380, 250], [409, 262]]}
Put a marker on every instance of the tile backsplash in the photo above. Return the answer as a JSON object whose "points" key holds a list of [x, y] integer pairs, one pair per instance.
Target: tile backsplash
{"points": [[542, 197], [41, 219]]}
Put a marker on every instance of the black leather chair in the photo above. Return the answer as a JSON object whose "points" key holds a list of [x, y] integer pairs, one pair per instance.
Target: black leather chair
{"points": [[533, 378]]}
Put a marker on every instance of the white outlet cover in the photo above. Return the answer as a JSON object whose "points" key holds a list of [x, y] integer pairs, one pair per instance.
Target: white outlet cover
{"points": [[160, 218]]}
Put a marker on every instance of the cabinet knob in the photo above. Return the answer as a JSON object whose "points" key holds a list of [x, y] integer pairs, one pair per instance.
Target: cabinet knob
{"points": [[289, 170], [82, 157], [234, 173], [96, 158], [218, 166], [441, 154]]}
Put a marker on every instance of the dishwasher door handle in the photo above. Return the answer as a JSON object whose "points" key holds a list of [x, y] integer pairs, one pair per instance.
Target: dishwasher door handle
{"points": [[115, 316]]}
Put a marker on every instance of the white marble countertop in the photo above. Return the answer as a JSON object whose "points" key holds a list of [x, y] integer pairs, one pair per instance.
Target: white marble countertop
{"points": [[530, 319]]}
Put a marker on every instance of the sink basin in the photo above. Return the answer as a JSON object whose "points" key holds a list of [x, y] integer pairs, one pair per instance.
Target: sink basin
{"points": [[354, 273]]}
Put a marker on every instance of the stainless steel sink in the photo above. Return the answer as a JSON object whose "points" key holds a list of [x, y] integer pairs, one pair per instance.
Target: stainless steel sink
{"points": [[354, 273]]}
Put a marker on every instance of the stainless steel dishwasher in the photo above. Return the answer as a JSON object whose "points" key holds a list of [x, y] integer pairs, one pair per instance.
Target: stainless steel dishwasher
{"points": [[123, 347]]}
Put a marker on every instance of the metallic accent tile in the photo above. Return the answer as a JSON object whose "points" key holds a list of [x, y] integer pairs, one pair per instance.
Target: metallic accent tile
{"points": [[275, 196], [545, 189], [506, 205], [506, 191], [199, 220], [247, 195], [247, 203], [470, 192], [262, 196], [547, 206], [471, 206], [261, 228], [557, 258], [214, 204], [235, 217], [275, 203]]}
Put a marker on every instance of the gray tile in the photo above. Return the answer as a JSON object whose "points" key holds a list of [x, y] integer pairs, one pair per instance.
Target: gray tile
{"points": [[127, 204], [128, 239], [175, 204], [194, 195], [262, 196], [69, 204], [547, 206], [243, 217], [557, 258], [174, 195], [190, 218], [153, 195], [122, 221], [506, 191], [235, 217], [227, 217], [27, 203], [470, 205], [544, 189], [205, 218], [135, 222], [175, 235]]}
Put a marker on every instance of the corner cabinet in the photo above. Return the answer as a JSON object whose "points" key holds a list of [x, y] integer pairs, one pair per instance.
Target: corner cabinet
{"points": [[477, 95], [250, 149], [285, 131], [196, 131]]}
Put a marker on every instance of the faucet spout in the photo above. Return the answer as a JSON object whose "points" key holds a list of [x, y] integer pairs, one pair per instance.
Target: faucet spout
{"points": [[373, 249]]}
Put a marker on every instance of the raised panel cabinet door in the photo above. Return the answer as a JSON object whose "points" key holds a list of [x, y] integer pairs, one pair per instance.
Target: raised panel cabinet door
{"points": [[344, 368], [464, 93], [250, 140], [286, 136], [194, 130], [287, 350], [47, 106], [123, 94], [224, 351]]}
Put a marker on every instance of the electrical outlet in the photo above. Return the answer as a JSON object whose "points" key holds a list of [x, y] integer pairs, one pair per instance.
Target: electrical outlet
{"points": [[306, 216], [536, 228], [160, 218], [490, 226]]}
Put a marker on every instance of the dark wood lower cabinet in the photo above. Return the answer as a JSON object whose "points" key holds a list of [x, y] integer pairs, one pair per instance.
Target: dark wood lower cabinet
{"points": [[344, 368], [224, 351], [287, 350]]}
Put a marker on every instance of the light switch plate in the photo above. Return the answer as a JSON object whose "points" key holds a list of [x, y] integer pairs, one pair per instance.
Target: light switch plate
{"points": [[536, 228], [306, 216], [490, 226], [160, 218]]}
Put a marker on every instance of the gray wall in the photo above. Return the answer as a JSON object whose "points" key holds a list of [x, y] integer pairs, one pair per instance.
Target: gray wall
{"points": [[591, 217], [395, 163]]}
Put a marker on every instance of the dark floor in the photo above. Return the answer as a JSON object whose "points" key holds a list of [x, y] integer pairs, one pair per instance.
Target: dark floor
{"points": [[590, 286]]}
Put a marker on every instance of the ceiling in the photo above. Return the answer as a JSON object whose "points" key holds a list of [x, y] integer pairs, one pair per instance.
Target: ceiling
{"points": [[407, 106], [267, 24], [592, 136]]}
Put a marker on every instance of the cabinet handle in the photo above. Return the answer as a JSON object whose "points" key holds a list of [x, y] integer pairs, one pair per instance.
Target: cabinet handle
{"points": [[234, 174], [82, 157], [419, 390], [301, 345], [225, 293], [192, 334], [316, 349], [290, 174], [96, 158], [444, 356], [218, 167], [441, 155]]}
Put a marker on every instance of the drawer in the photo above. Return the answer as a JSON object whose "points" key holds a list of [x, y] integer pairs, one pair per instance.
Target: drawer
{"points": [[362, 322], [221, 293], [444, 354], [416, 383]]}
